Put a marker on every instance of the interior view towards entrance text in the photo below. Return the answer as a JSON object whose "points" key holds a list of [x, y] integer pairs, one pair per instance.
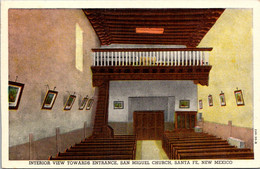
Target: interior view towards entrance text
{"points": [[130, 84]]}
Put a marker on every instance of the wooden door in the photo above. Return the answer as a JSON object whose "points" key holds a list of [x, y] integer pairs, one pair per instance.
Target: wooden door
{"points": [[148, 125], [185, 119]]}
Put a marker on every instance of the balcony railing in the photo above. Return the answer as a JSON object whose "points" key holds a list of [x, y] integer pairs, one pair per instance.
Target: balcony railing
{"points": [[151, 57]]}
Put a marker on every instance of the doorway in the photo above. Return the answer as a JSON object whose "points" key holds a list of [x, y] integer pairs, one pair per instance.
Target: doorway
{"points": [[148, 125], [185, 119]]}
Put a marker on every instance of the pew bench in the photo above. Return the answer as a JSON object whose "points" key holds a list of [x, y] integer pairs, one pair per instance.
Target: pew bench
{"points": [[207, 150], [218, 155], [121, 147], [177, 149], [105, 157]]}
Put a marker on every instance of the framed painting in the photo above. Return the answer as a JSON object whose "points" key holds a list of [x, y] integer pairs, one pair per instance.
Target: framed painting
{"points": [[200, 104], [222, 99], [199, 116], [69, 103], [49, 99], [118, 104], [15, 91], [210, 99], [184, 104], [83, 103], [239, 98], [90, 103]]}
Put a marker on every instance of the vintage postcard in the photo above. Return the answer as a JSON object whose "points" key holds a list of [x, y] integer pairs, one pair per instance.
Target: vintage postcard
{"points": [[130, 84]]}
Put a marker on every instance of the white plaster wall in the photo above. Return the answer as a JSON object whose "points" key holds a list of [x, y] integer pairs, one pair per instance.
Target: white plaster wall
{"points": [[122, 90], [41, 52], [148, 104]]}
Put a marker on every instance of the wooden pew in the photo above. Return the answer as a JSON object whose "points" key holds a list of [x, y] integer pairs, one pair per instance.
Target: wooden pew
{"points": [[173, 146], [110, 157], [177, 149], [218, 155], [166, 139], [104, 143], [87, 149], [121, 147], [191, 145], [97, 153], [107, 140], [212, 149]]}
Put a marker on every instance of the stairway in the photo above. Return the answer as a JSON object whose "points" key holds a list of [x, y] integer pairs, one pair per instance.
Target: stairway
{"points": [[101, 116]]}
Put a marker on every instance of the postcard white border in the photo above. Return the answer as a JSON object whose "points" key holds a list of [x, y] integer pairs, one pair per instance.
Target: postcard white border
{"points": [[5, 5]]}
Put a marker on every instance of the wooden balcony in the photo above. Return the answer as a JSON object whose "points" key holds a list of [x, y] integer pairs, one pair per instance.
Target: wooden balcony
{"points": [[151, 64]]}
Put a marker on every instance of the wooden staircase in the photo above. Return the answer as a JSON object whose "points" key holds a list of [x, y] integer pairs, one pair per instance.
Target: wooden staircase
{"points": [[101, 117]]}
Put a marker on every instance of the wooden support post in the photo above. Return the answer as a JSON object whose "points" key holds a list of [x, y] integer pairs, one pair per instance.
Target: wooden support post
{"points": [[230, 128], [31, 147], [58, 143], [85, 129]]}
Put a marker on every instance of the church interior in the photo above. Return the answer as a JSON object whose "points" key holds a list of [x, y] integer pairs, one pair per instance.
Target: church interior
{"points": [[128, 83]]}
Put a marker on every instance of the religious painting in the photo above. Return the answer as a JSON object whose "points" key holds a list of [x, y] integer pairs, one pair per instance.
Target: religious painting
{"points": [[49, 99], [210, 99], [199, 117], [118, 104], [83, 103], [239, 97], [70, 102], [184, 104], [90, 103], [222, 99], [200, 104], [15, 91]]}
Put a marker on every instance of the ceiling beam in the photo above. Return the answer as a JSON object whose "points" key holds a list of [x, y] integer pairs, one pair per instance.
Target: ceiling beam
{"points": [[156, 23], [132, 30], [159, 17], [153, 11], [148, 43], [154, 26], [151, 36], [151, 40], [121, 34], [161, 22]]}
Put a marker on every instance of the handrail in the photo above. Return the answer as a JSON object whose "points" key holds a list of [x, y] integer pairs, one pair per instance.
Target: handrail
{"points": [[151, 57]]}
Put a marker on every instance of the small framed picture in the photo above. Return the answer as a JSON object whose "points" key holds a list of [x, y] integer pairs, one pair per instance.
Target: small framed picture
{"points": [[222, 99], [49, 99], [210, 99], [199, 116], [200, 104], [90, 103], [83, 103], [70, 102], [118, 104], [184, 104], [239, 98], [15, 91]]}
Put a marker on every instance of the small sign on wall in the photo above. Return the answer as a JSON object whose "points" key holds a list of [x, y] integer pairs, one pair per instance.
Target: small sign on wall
{"points": [[184, 104], [118, 104]]}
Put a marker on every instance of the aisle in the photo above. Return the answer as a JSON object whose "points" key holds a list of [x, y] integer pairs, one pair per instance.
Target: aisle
{"points": [[150, 150]]}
